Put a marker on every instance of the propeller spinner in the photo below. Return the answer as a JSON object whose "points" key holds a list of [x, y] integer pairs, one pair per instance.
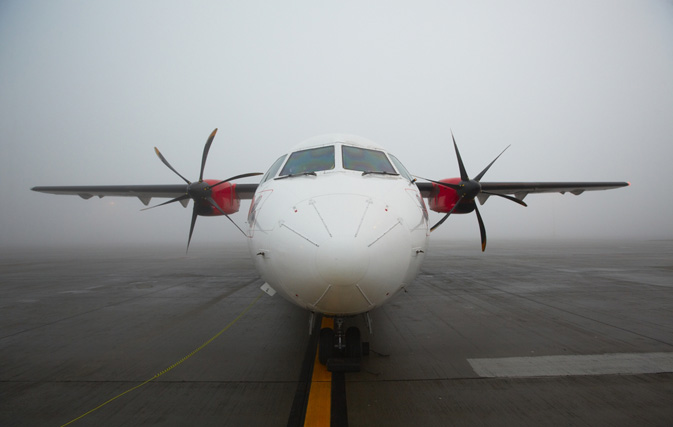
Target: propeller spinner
{"points": [[200, 191], [468, 189]]}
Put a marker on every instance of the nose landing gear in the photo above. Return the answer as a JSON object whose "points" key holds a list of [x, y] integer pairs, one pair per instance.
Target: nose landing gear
{"points": [[339, 351]]}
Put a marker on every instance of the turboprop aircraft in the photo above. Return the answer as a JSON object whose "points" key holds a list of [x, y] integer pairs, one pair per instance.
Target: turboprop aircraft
{"points": [[337, 226]]}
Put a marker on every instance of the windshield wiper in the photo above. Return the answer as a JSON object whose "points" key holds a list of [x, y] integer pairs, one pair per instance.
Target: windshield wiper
{"points": [[379, 173], [292, 175]]}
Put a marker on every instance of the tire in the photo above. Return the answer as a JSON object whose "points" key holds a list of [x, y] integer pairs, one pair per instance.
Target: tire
{"points": [[353, 343]]}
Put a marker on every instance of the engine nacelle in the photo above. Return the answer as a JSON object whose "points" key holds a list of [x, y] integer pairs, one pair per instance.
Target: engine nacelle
{"points": [[443, 199], [224, 195]]}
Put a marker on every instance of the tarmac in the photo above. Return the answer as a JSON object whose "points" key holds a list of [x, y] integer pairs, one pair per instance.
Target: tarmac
{"points": [[528, 333]]}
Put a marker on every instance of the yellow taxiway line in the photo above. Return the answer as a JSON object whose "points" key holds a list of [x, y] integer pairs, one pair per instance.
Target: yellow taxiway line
{"points": [[318, 410]]}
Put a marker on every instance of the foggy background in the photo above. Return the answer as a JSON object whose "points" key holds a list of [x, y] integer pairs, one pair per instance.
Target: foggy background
{"points": [[583, 90]]}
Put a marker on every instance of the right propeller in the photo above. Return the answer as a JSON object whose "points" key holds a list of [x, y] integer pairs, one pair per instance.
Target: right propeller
{"points": [[201, 192], [467, 190]]}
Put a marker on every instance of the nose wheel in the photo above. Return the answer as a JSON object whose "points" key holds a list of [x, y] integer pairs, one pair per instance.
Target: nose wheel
{"points": [[353, 343], [341, 351]]}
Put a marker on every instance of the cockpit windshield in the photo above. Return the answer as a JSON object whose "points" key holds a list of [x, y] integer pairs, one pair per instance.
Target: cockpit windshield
{"points": [[364, 160], [273, 169], [400, 168], [309, 161]]}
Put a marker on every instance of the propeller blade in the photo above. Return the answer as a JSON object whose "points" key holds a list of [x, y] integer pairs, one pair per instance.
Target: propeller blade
{"points": [[191, 227], [163, 159], [245, 175], [215, 205], [200, 191], [469, 189], [463, 172], [212, 202], [514, 199], [481, 174], [482, 229], [441, 221], [206, 149], [444, 184], [177, 199]]}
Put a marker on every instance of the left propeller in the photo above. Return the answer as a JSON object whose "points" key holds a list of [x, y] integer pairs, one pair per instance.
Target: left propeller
{"points": [[201, 192], [467, 190]]}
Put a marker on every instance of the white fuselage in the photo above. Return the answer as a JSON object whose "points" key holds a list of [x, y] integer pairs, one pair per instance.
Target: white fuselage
{"points": [[337, 241]]}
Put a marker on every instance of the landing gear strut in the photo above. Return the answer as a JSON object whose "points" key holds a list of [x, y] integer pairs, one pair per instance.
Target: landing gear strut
{"points": [[341, 351]]}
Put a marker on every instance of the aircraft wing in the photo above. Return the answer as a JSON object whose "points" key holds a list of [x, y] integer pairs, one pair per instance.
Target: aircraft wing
{"points": [[521, 189], [143, 192]]}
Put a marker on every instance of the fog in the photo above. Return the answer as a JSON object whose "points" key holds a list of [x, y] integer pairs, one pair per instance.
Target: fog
{"points": [[583, 91]]}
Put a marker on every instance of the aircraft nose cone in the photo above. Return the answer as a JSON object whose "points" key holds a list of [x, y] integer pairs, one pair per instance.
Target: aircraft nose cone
{"points": [[342, 261]]}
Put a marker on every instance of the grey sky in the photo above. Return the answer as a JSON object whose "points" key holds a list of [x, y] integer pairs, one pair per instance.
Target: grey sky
{"points": [[583, 90]]}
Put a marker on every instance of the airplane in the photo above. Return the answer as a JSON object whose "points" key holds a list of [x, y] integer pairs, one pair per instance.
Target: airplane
{"points": [[337, 226]]}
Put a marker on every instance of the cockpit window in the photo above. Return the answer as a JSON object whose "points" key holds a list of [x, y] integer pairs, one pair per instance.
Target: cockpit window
{"points": [[400, 168], [274, 168], [307, 161], [362, 159]]}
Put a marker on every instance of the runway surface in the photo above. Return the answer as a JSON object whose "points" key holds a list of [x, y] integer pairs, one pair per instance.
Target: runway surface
{"points": [[528, 333]]}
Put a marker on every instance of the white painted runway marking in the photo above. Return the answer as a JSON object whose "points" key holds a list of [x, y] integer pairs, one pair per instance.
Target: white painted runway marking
{"points": [[592, 364]]}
